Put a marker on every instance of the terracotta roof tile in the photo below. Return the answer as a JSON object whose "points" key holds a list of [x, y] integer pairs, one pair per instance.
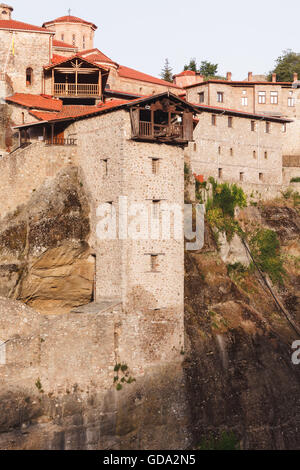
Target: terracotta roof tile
{"points": [[94, 55], [237, 82], [56, 59], [127, 72], [57, 43], [69, 19], [35, 101], [18, 25], [75, 111]]}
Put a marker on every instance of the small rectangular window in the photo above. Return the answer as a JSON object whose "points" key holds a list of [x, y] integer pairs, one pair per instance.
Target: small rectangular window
{"points": [[241, 176], [220, 172], [244, 101], [201, 97], [284, 127], [254, 154], [231, 152], [219, 150], [74, 40], [291, 102], [154, 263], [62, 37], [253, 126], [230, 121], [155, 209], [155, 166], [213, 120], [274, 97], [268, 127], [220, 97], [105, 167], [261, 176], [262, 97], [266, 155]]}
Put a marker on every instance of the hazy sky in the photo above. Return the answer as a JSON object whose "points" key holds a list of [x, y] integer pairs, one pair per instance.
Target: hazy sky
{"points": [[240, 36]]}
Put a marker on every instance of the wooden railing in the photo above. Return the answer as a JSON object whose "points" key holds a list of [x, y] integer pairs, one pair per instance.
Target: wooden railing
{"points": [[61, 141], [146, 129], [71, 89]]}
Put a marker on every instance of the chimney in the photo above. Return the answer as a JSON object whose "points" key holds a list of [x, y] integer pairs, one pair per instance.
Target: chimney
{"points": [[229, 76], [5, 11], [295, 77], [250, 76], [274, 77]]}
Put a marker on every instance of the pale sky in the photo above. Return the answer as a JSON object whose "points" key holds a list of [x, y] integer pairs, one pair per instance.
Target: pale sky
{"points": [[240, 36]]}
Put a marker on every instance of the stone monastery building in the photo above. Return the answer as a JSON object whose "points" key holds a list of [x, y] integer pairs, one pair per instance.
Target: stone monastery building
{"points": [[65, 103]]}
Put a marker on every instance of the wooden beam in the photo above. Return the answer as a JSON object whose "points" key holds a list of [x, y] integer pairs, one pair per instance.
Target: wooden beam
{"points": [[100, 84]]}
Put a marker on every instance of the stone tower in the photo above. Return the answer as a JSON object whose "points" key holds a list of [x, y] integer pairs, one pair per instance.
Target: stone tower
{"points": [[5, 11], [74, 31]]}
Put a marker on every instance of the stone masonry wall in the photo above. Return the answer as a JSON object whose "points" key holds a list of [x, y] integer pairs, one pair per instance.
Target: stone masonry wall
{"points": [[231, 150], [57, 386], [24, 45], [23, 172]]}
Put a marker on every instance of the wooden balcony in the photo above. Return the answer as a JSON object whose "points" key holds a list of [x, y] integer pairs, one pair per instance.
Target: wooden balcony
{"points": [[160, 131], [79, 89]]}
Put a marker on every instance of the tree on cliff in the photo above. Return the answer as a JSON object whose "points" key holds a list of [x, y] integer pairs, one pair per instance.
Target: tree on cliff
{"points": [[167, 72], [286, 64], [207, 69]]}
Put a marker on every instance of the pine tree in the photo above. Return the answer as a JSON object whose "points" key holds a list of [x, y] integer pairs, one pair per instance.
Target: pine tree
{"points": [[191, 66], [167, 72]]}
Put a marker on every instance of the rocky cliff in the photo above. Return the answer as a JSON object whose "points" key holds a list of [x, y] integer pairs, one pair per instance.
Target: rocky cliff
{"points": [[44, 254], [237, 373]]}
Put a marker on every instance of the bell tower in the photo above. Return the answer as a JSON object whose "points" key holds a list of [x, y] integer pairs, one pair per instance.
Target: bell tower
{"points": [[5, 11]]}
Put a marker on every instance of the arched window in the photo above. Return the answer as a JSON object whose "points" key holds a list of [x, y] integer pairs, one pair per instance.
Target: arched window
{"points": [[29, 76]]}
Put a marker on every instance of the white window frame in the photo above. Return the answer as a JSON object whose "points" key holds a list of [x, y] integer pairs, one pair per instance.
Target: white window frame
{"points": [[274, 97], [262, 98]]}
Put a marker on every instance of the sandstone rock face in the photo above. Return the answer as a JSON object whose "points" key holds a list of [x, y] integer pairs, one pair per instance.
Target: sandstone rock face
{"points": [[45, 259], [239, 371]]}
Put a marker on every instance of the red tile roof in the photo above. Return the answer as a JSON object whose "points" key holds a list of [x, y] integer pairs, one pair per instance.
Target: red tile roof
{"points": [[69, 19], [238, 82], [241, 113], [186, 73], [127, 72], [57, 43], [67, 59], [75, 111], [35, 101], [94, 55], [56, 59], [18, 25]]}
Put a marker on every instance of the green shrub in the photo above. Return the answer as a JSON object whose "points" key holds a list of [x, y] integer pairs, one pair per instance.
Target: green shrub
{"points": [[227, 197], [237, 268], [265, 249], [227, 441], [295, 180]]}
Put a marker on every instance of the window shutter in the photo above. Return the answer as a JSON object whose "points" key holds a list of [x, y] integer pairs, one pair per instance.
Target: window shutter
{"points": [[135, 124], [188, 126]]}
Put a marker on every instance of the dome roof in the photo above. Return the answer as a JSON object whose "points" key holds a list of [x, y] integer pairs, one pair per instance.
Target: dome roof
{"points": [[69, 19]]}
